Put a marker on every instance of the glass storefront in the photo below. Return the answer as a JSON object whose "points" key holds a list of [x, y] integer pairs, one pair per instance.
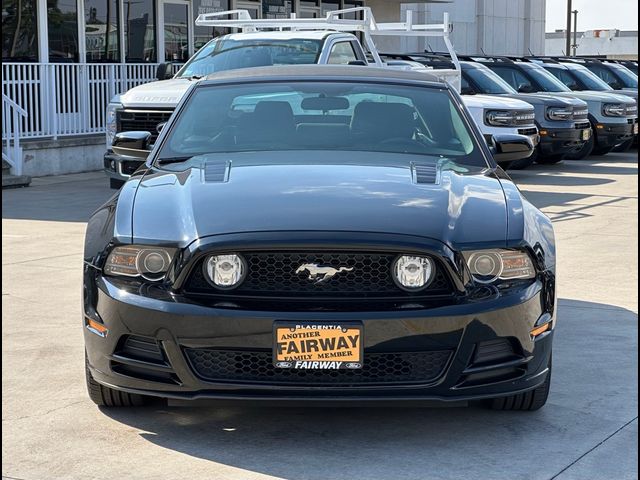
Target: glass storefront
{"points": [[19, 30], [101, 31], [176, 32], [62, 23], [202, 35], [277, 8], [139, 31]]}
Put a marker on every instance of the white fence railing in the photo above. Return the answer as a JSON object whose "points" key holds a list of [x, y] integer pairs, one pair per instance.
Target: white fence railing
{"points": [[12, 117], [68, 99]]}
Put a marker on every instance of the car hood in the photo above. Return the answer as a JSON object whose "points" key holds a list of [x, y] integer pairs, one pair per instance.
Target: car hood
{"points": [[548, 99], [280, 192], [163, 93], [493, 101], [592, 96]]}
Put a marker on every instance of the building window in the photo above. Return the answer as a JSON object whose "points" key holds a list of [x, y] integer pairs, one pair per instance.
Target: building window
{"points": [[329, 6], [202, 35], [277, 8], [139, 31], [19, 30], [176, 32], [62, 22], [101, 30]]}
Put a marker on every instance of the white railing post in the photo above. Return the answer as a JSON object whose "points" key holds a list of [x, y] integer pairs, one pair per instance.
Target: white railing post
{"points": [[12, 115]]}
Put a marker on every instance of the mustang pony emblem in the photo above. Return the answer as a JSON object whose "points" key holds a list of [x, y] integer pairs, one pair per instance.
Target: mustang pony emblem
{"points": [[321, 274]]}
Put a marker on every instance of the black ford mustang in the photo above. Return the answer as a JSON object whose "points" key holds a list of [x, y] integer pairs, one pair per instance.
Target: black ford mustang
{"points": [[320, 233]]}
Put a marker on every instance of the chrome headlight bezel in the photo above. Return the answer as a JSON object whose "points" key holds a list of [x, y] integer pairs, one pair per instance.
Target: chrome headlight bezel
{"points": [[494, 265], [215, 278], [138, 261], [423, 276], [559, 114], [614, 110]]}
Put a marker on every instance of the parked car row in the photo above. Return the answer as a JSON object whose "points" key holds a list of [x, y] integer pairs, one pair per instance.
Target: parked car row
{"points": [[569, 107]]}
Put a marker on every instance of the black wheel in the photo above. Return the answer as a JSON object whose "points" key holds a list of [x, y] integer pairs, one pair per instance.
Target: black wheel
{"points": [[108, 397], [527, 401], [549, 159], [584, 152], [601, 150], [623, 147], [115, 183]]}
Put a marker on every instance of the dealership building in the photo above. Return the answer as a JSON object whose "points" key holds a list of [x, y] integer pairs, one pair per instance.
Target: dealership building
{"points": [[64, 59]]}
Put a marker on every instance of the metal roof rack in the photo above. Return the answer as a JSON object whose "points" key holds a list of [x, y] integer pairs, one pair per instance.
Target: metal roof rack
{"points": [[334, 21]]}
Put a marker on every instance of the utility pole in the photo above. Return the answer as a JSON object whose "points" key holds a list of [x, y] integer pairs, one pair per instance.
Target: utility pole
{"points": [[575, 31], [567, 49]]}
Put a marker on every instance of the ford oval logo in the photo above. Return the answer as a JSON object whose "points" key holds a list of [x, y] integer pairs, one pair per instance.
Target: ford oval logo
{"points": [[353, 365], [284, 364]]}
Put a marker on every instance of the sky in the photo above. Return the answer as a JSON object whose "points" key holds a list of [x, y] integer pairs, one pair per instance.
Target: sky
{"points": [[594, 14]]}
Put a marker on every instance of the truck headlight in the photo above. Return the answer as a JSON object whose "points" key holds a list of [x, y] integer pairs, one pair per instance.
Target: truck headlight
{"points": [[559, 113], [487, 266], [111, 122], [632, 110], [225, 271], [150, 263], [508, 118], [614, 110], [413, 273]]}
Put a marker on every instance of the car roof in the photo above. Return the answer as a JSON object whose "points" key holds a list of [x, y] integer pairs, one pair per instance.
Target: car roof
{"points": [[288, 35], [323, 72]]}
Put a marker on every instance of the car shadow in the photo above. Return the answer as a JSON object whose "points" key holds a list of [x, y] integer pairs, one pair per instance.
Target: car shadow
{"points": [[409, 442]]}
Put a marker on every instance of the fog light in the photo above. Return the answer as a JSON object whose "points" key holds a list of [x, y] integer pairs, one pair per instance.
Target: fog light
{"points": [[225, 271], [413, 273]]}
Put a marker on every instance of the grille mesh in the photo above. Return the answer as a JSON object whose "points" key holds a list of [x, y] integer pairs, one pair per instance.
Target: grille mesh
{"points": [[142, 120], [256, 367], [274, 274]]}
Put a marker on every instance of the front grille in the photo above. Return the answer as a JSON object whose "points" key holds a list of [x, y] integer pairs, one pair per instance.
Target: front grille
{"points": [[256, 367], [528, 131], [524, 117], [581, 115], [273, 274], [142, 120]]}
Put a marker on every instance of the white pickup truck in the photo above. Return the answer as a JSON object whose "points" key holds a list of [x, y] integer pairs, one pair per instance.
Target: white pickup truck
{"points": [[306, 41]]}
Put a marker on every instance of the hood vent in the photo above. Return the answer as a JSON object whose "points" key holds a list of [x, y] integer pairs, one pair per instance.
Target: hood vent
{"points": [[216, 172], [425, 173]]}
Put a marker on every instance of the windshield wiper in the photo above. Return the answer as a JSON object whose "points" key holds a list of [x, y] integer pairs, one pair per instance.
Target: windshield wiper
{"points": [[165, 161]]}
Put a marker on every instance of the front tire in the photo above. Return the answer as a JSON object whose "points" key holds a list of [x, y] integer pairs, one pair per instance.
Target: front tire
{"points": [[623, 147], [108, 397], [524, 162], [549, 159], [585, 151], [530, 401]]}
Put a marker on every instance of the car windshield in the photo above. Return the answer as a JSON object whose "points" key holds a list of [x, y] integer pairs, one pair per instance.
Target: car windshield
{"points": [[325, 116], [488, 81], [589, 79], [546, 80], [228, 54], [628, 78]]}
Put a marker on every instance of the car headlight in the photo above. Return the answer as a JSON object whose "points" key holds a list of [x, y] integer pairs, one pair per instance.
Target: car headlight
{"points": [[559, 113], [487, 266], [225, 271], [508, 118], [111, 122], [413, 273], [632, 110], [150, 263], [614, 110]]}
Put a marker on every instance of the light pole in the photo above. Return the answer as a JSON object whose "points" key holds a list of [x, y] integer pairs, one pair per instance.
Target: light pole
{"points": [[567, 49], [575, 31]]}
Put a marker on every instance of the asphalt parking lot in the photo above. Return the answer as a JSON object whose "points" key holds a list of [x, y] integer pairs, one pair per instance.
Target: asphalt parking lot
{"points": [[588, 430]]}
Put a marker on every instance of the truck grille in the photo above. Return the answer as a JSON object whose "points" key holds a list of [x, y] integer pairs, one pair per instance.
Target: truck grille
{"points": [[273, 274], [524, 118], [141, 120], [241, 366], [581, 114]]}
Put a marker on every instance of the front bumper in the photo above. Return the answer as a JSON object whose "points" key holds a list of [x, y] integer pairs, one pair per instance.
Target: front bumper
{"points": [[463, 328], [612, 134], [560, 141], [120, 167]]}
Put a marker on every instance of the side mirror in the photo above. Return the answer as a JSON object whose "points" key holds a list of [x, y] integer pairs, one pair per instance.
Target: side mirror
{"points": [[615, 84], [525, 88], [163, 72], [511, 147], [467, 91], [132, 144], [574, 86]]}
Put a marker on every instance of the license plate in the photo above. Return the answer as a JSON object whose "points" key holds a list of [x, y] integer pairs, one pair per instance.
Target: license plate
{"points": [[317, 346], [635, 128], [586, 134]]}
